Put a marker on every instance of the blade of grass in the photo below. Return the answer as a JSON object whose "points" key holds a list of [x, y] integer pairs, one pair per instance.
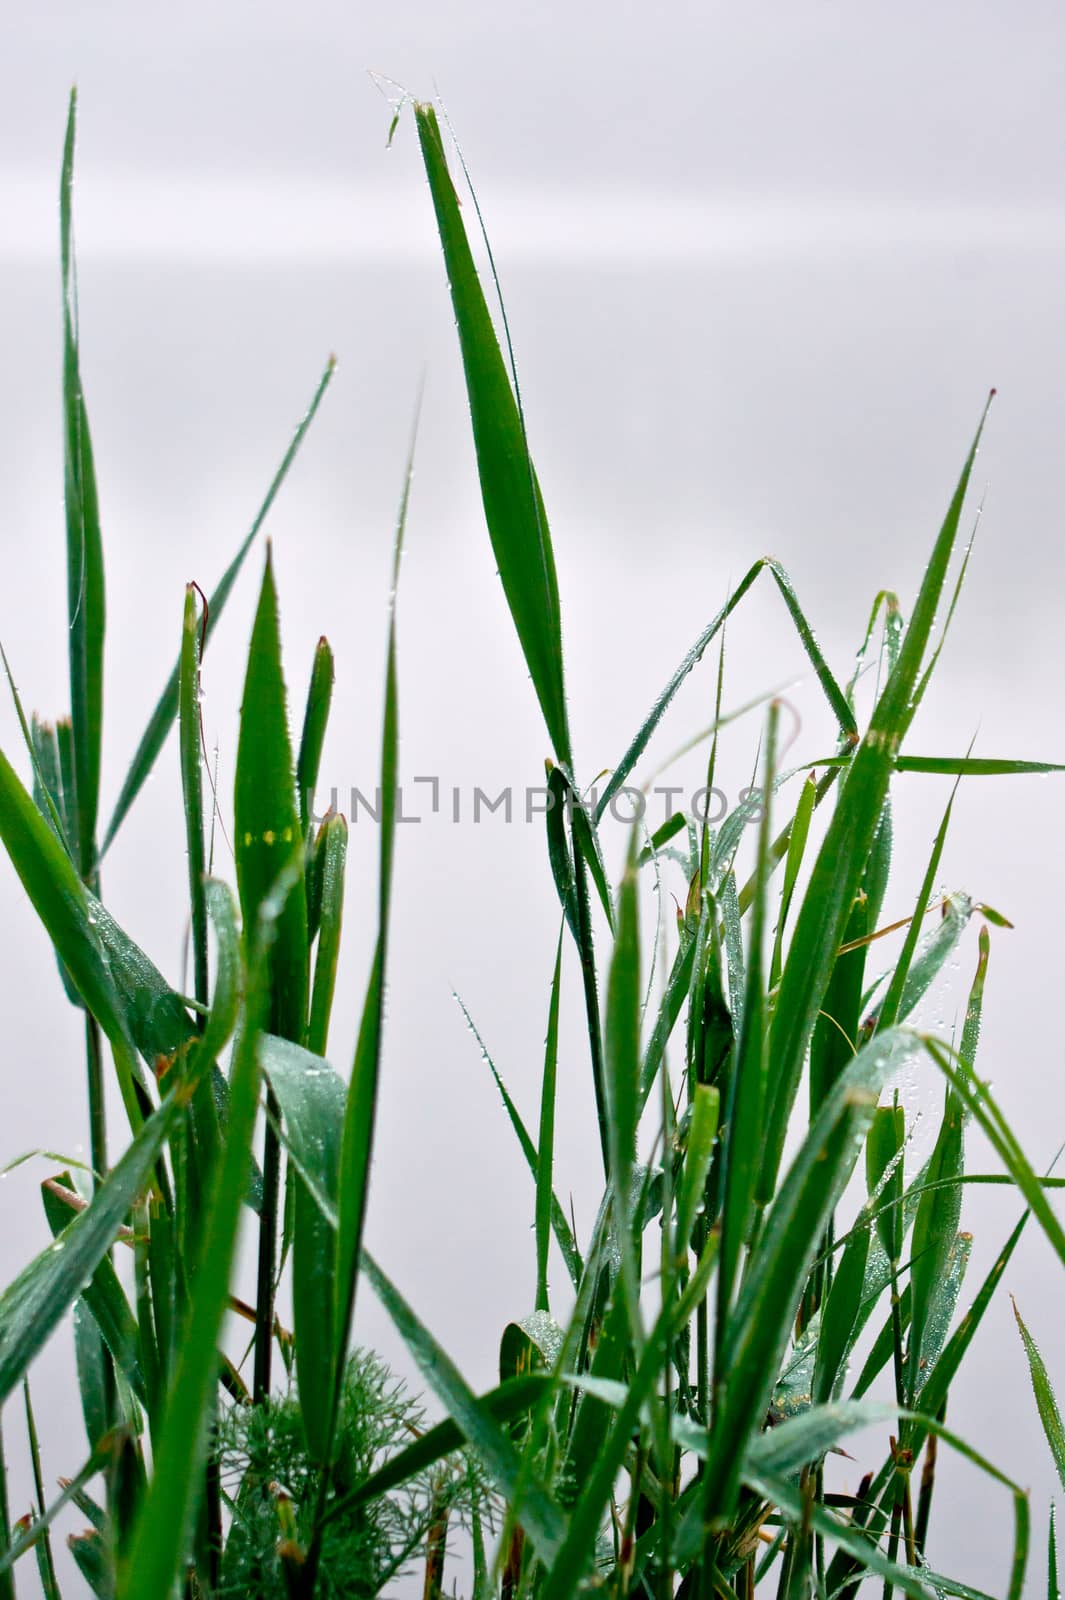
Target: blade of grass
{"points": [[973, 766], [86, 607], [538, 1514], [545, 1154], [562, 1230], [310, 1096], [162, 718], [32, 1305], [835, 696], [513, 505], [1045, 1399], [42, 1545], [331, 848], [847, 843], [268, 841], [315, 718]]}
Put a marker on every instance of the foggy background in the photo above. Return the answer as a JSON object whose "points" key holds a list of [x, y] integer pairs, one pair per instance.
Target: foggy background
{"points": [[761, 265]]}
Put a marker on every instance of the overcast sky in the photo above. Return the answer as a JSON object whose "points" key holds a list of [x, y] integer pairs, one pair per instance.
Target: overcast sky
{"points": [[762, 266]]}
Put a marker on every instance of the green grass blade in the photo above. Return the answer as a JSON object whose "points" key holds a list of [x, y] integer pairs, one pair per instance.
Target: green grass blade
{"points": [[31, 1306], [159, 1540], [189, 740], [1053, 1587], [315, 718], [847, 843], [758, 1329], [268, 844], [568, 1569], [311, 1098], [979, 1102], [162, 718], [934, 1235], [265, 817], [1049, 1414], [839, 1316], [7, 1581], [43, 1543], [745, 1111], [86, 607], [545, 1155], [562, 1230], [836, 698], [39, 1527], [360, 1111], [973, 766], [539, 1515], [103, 1293], [798, 834], [331, 852], [622, 1040], [699, 1149], [513, 505]]}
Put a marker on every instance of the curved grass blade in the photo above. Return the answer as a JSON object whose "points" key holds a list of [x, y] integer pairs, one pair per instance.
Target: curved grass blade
{"points": [[360, 1110], [1045, 1399], [533, 1506], [162, 718], [846, 846], [103, 1295], [31, 1306], [833, 693], [562, 1230], [86, 606], [513, 505], [39, 1527], [158, 1544]]}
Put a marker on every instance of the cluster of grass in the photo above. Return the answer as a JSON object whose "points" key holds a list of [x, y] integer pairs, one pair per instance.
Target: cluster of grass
{"points": [[767, 1274]]}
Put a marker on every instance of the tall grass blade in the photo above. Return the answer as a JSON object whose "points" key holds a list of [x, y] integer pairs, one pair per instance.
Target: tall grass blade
{"points": [[513, 505], [268, 844], [834, 694], [847, 843], [162, 718], [86, 606], [545, 1154], [537, 1512], [562, 1230], [360, 1111]]}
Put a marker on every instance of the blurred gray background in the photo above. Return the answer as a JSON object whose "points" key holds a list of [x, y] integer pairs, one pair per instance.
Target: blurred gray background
{"points": [[762, 265]]}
